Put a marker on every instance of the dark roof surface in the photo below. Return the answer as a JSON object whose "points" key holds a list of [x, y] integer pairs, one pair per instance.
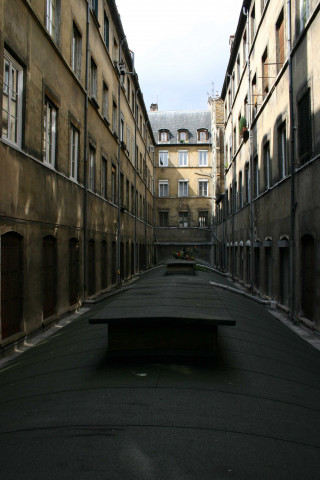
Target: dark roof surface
{"points": [[173, 121]]}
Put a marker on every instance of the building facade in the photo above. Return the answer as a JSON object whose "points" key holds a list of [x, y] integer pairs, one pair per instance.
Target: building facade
{"points": [[268, 215], [183, 182], [76, 198]]}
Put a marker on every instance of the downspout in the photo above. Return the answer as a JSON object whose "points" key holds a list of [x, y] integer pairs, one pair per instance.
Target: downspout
{"points": [[145, 205], [292, 154], [135, 183], [85, 163], [246, 12], [119, 173]]}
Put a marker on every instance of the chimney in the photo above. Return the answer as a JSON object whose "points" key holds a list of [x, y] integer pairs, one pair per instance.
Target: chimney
{"points": [[153, 107]]}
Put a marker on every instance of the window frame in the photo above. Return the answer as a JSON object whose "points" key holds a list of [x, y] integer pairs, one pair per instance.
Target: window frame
{"points": [[203, 162], [76, 51], [12, 64], [200, 133], [163, 188], [183, 188], [183, 158], [165, 161], [92, 168], [50, 135], [74, 152]]}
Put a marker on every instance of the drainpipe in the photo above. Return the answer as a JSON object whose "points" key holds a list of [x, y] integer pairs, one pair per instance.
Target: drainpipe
{"points": [[119, 173], [135, 182], [292, 153], [246, 12], [85, 163]]}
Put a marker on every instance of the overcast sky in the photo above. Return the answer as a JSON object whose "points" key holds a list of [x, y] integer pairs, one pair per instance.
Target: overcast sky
{"points": [[181, 48]]}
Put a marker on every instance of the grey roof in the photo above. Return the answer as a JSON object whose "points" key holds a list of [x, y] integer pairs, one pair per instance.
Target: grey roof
{"points": [[192, 121]]}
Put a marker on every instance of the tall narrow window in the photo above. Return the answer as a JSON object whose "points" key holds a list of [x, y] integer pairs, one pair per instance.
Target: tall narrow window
{"points": [[182, 135], [76, 51], [203, 158], [105, 101], [244, 47], [282, 150], [12, 100], [113, 184], [94, 7], [93, 79], [203, 188], [280, 41], [163, 188], [163, 159], [253, 23], [304, 13], [92, 166], [51, 17], [305, 125], [183, 219], [104, 177], [240, 190], [74, 152], [255, 177], [265, 72], [114, 117], [203, 135], [267, 166], [163, 219], [247, 182], [49, 133], [254, 96], [183, 188], [183, 159], [122, 127], [203, 218], [106, 30]]}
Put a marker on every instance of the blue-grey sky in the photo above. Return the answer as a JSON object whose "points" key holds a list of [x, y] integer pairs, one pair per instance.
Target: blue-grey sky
{"points": [[181, 48]]}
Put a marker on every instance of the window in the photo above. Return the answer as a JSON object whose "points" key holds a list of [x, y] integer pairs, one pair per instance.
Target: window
{"points": [[12, 100], [182, 135], [203, 158], [92, 166], [183, 219], [282, 150], [113, 184], [128, 89], [183, 188], [203, 135], [254, 96], [49, 133], [265, 72], [94, 7], [74, 152], [280, 41], [305, 124], [104, 177], [76, 51], [203, 218], [52, 16], [183, 158], [253, 23], [163, 219], [267, 166], [106, 30], [163, 159], [105, 101], [255, 177], [163, 188], [114, 117], [238, 69], [203, 188], [304, 13], [244, 47], [93, 79], [247, 182], [240, 190], [122, 127]]}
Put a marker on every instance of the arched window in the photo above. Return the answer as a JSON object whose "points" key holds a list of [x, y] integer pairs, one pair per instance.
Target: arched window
{"points": [[11, 283], [49, 272], [203, 135]]}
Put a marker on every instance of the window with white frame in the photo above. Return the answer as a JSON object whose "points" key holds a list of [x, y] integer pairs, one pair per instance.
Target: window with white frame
{"points": [[203, 158], [183, 188], [12, 100], [183, 158], [76, 51], [92, 167], [49, 133], [163, 188], [52, 17], [74, 152], [163, 159], [203, 188]]}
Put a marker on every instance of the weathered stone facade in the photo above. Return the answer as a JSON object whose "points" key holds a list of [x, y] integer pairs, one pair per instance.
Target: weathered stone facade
{"points": [[76, 186], [269, 216]]}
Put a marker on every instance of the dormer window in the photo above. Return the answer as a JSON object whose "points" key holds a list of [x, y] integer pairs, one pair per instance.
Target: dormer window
{"points": [[203, 135], [182, 136], [163, 135]]}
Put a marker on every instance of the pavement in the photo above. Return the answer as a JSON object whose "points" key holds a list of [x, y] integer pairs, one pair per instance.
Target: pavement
{"points": [[68, 411]]}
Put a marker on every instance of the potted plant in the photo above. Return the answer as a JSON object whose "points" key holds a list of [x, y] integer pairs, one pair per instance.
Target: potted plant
{"points": [[243, 129]]}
